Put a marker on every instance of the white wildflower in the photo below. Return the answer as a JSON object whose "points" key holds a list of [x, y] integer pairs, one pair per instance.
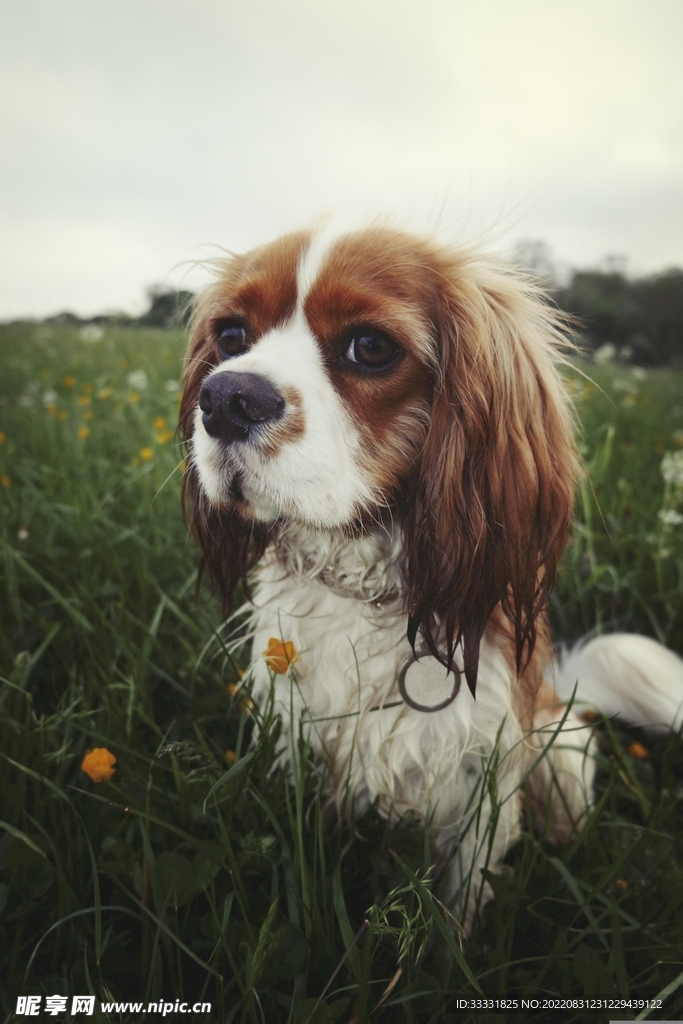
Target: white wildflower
{"points": [[638, 372], [624, 384], [605, 354], [137, 380], [91, 332], [672, 468], [50, 397], [172, 386], [670, 517]]}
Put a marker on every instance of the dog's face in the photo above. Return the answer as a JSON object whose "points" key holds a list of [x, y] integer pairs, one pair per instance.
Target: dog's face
{"points": [[314, 360], [335, 379]]}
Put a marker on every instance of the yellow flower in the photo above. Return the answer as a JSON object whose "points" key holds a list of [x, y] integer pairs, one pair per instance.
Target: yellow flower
{"points": [[639, 751], [134, 396], [163, 437], [51, 409], [622, 884], [83, 400], [69, 381], [98, 764], [280, 655], [62, 414], [83, 432], [159, 423], [5, 480], [230, 756], [146, 454], [3, 436], [86, 389], [105, 393]]}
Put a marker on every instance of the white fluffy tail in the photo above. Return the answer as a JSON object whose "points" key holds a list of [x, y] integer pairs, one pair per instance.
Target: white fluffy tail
{"points": [[626, 675]]}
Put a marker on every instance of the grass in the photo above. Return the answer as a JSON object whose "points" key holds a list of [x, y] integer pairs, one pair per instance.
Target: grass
{"points": [[195, 873]]}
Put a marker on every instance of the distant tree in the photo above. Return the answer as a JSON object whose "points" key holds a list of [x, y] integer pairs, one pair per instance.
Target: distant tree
{"points": [[66, 317], [167, 308], [641, 317]]}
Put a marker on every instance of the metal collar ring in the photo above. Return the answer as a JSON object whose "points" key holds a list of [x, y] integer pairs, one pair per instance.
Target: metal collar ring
{"points": [[427, 708]]}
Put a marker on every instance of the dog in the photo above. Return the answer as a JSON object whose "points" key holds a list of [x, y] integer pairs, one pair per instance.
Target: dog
{"points": [[377, 425]]}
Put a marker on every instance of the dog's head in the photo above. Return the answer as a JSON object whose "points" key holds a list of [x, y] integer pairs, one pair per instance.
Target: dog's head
{"points": [[335, 380]]}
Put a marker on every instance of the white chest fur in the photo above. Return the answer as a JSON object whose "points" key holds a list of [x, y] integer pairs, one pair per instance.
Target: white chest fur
{"points": [[350, 650]]}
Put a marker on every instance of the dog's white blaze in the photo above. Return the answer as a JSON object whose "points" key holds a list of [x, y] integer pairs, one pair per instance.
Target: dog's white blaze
{"points": [[314, 258], [314, 477]]}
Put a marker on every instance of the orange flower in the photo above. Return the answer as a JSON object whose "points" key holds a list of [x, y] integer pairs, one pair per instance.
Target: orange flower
{"points": [[622, 884], [639, 751], [159, 423], [146, 454], [280, 655], [51, 409], [3, 436], [230, 756], [69, 381], [5, 481], [83, 400], [134, 396], [98, 764], [83, 432], [163, 436]]}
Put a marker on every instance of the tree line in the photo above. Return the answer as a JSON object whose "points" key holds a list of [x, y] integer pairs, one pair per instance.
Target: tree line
{"points": [[641, 318], [635, 320]]}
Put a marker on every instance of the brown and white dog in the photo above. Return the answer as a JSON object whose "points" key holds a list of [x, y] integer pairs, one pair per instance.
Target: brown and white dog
{"points": [[377, 423]]}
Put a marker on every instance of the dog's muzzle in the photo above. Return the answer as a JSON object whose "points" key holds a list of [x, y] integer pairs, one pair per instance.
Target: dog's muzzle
{"points": [[233, 404]]}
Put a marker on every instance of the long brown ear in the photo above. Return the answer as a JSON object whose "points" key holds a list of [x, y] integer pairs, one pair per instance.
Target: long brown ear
{"points": [[487, 519], [230, 546]]}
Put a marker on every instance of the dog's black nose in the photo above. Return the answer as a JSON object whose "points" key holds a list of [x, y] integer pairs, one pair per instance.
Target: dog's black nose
{"points": [[233, 403]]}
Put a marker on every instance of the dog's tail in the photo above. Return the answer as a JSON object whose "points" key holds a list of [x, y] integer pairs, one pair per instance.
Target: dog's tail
{"points": [[626, 675]]}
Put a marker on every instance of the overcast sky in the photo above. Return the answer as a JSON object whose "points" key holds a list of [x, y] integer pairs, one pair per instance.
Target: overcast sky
{"points": [[136, 135]]}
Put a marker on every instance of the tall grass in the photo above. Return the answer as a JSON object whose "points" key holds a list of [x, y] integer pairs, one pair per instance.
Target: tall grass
{"points": [[198, 873]]}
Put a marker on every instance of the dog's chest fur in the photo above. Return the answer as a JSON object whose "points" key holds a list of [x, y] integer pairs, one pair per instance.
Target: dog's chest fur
{"points": [[340, 603]]}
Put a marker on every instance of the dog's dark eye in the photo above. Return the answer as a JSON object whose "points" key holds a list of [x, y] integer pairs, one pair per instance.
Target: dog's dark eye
{"points": [[372, 349], [232, 338]]}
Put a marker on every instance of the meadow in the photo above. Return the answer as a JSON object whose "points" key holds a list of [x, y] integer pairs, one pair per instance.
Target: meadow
{"points": [[196, 873]]}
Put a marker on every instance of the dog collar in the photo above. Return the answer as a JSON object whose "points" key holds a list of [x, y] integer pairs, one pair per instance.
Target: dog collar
{"points": [[422, 670]]}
